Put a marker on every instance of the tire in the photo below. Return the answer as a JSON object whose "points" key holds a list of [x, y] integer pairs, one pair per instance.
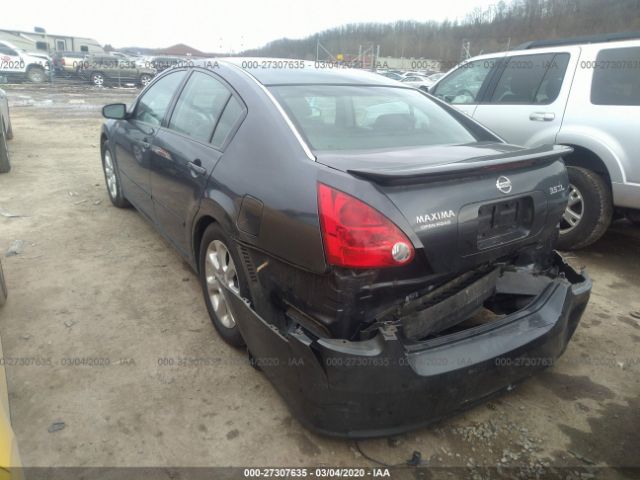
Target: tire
{"points": [[112, 178], [5, 164], [3, 288], [36, 75], [144, 80], [593, 205], [216, 244], [97, 79], [9, 133]]}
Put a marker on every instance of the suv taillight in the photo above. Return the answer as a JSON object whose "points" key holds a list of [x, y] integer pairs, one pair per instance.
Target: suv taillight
{"points": [[356, 235]]}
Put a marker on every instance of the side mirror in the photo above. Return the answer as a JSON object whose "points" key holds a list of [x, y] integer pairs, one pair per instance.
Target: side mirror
{"points": [[116, 111]]}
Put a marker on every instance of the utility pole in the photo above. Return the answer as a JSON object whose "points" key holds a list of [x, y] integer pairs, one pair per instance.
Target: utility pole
{"points": [[465, 51]]}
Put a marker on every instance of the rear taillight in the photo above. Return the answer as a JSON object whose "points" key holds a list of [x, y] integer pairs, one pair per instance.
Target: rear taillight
{"points": [[358, 236]]}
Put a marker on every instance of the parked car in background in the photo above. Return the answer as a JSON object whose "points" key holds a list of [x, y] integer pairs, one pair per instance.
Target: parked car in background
{"points": [[68, 63], [162, 63], [434, 77], [417, 81], [17, 64], [137, 60], [357, 227], [101, 70], [392, 75], [582, 92], [6, 132]]}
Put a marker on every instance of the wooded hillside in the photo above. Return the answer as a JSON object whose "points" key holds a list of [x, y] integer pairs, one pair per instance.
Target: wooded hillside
{"points": [[502, 26]]}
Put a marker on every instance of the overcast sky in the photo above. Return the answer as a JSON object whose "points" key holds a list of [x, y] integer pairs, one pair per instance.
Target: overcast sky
{"points": [[214, 26]]}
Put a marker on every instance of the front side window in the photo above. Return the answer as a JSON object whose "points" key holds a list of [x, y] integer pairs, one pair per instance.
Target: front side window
{"points": [[616, 77], [4, 50], [199, 106], [153, 105], [337, 117], [463, 85]]}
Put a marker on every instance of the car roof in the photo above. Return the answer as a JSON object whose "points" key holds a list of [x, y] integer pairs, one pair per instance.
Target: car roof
{"points": [[288, 71], [556, 49]]}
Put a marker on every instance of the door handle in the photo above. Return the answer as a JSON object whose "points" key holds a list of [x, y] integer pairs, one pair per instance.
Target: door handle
{"points": [[196, 167], [542, 116]]}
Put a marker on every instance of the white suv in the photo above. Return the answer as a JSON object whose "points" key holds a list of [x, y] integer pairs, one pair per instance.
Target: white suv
{"points": [[15, 62], [582, 92]]}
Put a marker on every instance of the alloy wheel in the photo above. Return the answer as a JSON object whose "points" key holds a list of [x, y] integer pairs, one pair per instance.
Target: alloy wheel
{"points": [[219, 267], [574, 211], [98, 79], [110, 174]]}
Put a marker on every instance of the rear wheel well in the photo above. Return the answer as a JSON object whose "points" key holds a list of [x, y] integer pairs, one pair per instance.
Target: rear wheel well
{"points": [[585, 158], [198, 232]]}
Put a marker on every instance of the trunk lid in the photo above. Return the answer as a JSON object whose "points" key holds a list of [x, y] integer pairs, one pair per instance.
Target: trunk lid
{"points": [[466, 205]]}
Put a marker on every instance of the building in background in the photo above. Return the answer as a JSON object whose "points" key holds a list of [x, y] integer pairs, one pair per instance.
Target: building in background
{"points": [[49, 43]]}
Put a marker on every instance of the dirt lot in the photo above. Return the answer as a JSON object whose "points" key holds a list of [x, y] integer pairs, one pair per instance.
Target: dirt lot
{"points": [[93, 281]]}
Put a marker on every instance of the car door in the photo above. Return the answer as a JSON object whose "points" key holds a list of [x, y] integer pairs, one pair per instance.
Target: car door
{"points": [[465, 86], [133, 137], [186, 152], [526, 102]]}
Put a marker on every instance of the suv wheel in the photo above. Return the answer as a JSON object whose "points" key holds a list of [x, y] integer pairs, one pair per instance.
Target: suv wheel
{"points": [[145, 79], [589, 211], [5, 165], [36, 75], [97, 79], [220, 263]]}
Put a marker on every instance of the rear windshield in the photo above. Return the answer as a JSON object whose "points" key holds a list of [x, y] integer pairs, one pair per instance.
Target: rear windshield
{"points": [[338, 117]]}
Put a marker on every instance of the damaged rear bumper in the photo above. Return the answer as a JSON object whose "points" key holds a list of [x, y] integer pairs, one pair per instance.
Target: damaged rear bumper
{"points": [[386, 385]]}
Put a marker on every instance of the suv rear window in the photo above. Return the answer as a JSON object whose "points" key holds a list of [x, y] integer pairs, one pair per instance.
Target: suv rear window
{"points": [[616, 77], [340, 117]]}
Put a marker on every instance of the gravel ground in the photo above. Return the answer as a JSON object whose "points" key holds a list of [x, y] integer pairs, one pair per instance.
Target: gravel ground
{"points": [[93, 281]]}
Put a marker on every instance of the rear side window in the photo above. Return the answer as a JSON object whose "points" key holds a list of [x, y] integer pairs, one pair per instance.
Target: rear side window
{"points": [[153, 105], [199, 106], [616, 77], [345, 117], [531, 79], [552, 82], [463, 85], [230, 117]]}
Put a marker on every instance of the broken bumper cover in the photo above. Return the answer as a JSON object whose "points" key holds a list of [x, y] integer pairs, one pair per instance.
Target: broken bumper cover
{"points": [[385, 385]]}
